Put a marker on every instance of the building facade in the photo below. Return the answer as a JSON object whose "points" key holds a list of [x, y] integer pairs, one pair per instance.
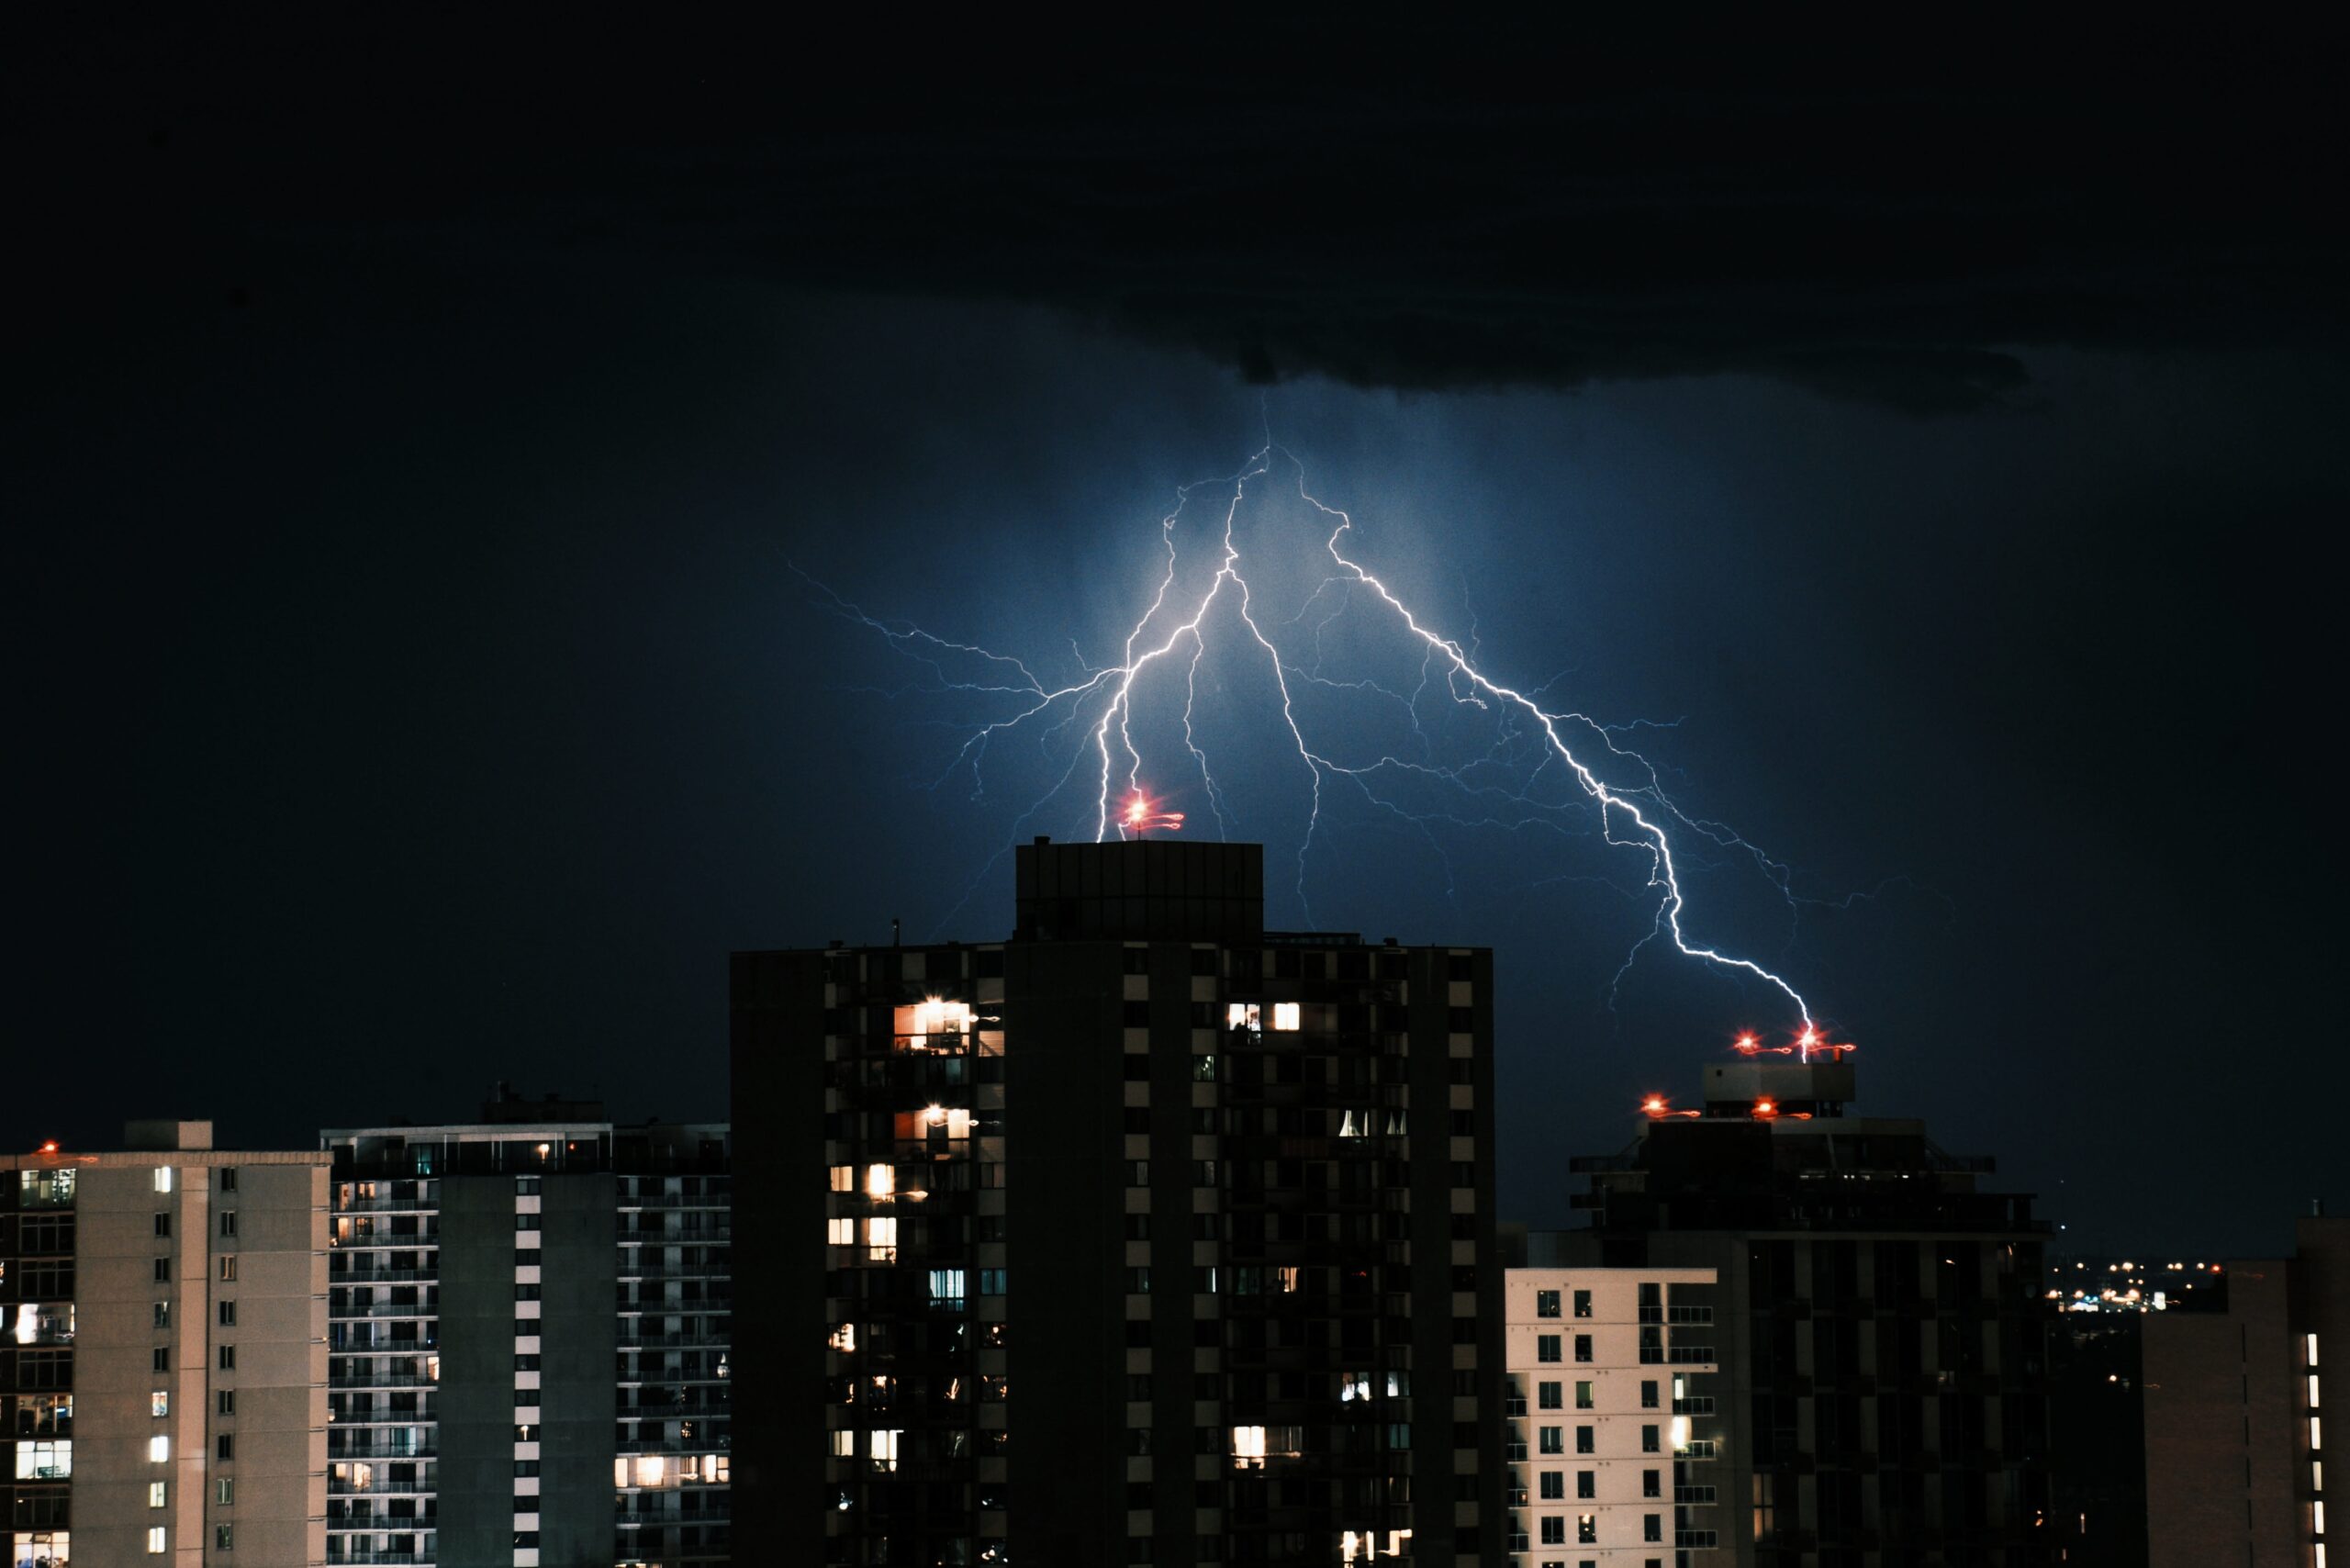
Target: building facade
{"points": [[1879, 1324], [2236, 1407], [530, 1330], [162, 1353], [1146, 1236], [1613, 1417]]}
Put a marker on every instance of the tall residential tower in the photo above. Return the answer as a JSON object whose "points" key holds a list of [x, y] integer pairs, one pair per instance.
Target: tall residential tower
{"points": [[162, 1353], [1146, 1236], [1840, 1343]]}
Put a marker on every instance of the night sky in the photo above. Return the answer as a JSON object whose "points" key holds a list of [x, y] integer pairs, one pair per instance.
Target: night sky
{"points": [[421, 445]]}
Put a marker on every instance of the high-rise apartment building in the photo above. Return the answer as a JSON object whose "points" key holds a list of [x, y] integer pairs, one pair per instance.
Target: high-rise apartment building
{"points": [[2236, 1410], [1146, 1236], [162, 1353], [529, 1335], [1614, 1416], [1877, 1323]]}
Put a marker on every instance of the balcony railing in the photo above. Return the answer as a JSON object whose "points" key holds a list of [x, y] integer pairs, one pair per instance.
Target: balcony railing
{"points": [[389, 1206], [428, 1448], [384, 1309], [383, 1380]]}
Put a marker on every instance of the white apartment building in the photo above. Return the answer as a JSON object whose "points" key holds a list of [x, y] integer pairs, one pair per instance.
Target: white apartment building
{"points": [[1609, 1406]]}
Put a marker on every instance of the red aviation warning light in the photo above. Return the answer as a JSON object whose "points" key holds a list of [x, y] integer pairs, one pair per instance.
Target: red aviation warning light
{"points": [[1141, 815], [1809, 1045]]}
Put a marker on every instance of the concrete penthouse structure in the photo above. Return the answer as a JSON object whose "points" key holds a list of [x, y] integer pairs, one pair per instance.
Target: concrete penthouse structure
{"points": [[530, 1328], [2237, 1408], [1874, 1374], [162, 1353], [1145, 1235]]}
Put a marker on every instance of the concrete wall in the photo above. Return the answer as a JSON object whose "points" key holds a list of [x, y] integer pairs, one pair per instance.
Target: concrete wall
{"points": [[479, 1318], [2219, 1443]]}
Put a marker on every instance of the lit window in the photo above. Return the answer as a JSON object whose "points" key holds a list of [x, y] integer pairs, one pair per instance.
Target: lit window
{"points": [[155, 1493], [1247, 1448], [160, 1403], [224, 1492], [1587, 1529], [155, 1541], [880, 1181], [45, 1460], [2317, 1518], [1246, 1015], [883, 1449], [844, 1445], [159, 1450], [841, 1232], [844, 1178], [933, 1024], [1285, 1016], [881, 1240], [947, 1288], [162, 1177]]}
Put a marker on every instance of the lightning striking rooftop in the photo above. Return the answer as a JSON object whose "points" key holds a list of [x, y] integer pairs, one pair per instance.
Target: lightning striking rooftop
{"points": [[1537, 766]]}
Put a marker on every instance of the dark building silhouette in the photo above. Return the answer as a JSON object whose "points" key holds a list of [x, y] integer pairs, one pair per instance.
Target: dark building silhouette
{"points": [[1875, 1333], [529, 1326], [1146, 1236], [2097, 1437], [2236, 1407]]}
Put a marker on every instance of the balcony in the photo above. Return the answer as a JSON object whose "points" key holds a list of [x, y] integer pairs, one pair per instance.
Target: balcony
{"points": [[1695, 1404], [424, 1205], [384, 1309], [1692, 1496], [421, 1448], [383, 1380]]}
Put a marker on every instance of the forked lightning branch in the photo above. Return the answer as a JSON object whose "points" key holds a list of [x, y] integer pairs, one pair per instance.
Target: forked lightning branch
{"points": [[1535, 765]]}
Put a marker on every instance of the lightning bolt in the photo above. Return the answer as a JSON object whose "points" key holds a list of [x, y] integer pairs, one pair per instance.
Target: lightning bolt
{"points": [[1540, 768]]}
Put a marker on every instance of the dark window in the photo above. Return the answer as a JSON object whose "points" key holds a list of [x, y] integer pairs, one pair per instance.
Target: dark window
{"points": [[1546, 1302]]}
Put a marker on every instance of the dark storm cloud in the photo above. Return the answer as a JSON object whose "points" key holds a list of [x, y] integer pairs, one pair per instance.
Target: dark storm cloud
{"points": [[1375, 199]]}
